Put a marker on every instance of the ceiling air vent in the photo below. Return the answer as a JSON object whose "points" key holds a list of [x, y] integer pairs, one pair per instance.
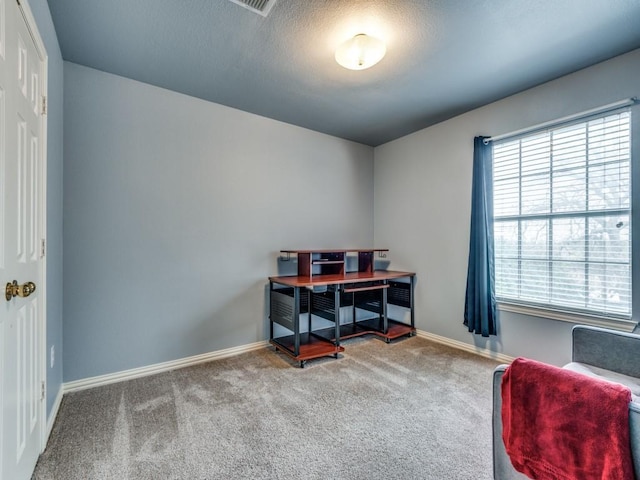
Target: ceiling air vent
{"points": [[257, 6]]}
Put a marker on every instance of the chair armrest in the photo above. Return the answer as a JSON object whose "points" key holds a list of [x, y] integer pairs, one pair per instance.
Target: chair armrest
{"points": [[502, 468], [608, 349]]}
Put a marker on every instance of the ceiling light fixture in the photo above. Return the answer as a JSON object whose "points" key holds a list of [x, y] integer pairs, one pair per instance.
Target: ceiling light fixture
{"points": [[360, 52]]}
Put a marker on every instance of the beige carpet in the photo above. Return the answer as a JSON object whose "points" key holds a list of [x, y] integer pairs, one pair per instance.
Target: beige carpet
{"points": [[412, 409]]}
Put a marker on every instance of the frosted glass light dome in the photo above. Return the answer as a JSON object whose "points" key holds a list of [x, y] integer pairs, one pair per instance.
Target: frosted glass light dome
{"points": [[360, 52]]}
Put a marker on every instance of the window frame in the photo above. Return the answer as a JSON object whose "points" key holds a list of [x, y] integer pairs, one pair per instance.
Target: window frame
{"points": [[559, 313]]}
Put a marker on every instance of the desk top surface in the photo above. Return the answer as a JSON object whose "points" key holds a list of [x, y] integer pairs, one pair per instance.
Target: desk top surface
{"points": [[344, 250], [351, 277]]}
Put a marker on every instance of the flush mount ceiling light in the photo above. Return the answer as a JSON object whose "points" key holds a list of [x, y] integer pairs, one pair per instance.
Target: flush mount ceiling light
{"points": [[360, 52]]}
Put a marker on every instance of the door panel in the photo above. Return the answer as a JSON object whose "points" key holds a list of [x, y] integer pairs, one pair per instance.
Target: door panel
{"points": [[21, 185], [27, 375], [3, 152], [21, 216], [32, 193]]}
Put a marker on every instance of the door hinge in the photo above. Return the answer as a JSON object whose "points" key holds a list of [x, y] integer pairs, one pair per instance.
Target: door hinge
{"points": [[43, 248], [42, 391], [44, 105]]}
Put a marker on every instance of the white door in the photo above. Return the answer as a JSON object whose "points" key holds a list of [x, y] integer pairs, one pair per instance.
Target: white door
{"points": [[21, 258]]}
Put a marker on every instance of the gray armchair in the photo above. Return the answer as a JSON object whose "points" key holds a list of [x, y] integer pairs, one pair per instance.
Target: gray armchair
{"points": [[598, 352]]}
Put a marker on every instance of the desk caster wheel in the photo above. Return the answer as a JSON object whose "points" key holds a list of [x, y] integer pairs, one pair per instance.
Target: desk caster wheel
{"points": [[335, 355], [302, 363], [387, 340]]}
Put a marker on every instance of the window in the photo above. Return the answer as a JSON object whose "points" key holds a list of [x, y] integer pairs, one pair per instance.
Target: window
{"points": [[562, 216]]}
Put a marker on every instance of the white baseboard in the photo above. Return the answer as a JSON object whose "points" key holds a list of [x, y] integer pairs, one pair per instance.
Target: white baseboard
{"points": [[483, 352], [101, 380], [124, 375], [55, 408]]}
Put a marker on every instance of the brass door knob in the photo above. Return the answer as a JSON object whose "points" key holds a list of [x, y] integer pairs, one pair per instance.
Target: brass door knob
{"points": [[14, 290]]}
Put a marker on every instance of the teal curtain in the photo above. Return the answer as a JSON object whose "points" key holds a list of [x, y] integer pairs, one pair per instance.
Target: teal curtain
{"points": [[480, 300]]}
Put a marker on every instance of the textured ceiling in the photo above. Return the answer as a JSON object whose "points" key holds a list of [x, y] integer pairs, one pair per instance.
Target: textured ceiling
{"points": [[444, 57]]}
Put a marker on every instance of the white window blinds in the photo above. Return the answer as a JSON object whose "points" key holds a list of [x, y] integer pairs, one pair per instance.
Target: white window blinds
{"points": [[562, 217]]}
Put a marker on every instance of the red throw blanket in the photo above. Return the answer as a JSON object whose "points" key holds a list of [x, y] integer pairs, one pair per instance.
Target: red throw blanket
{"points": [[563, 425]]}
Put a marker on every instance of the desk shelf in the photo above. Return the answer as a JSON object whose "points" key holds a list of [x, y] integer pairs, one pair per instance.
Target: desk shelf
{"points": [[318, 263], [371, 326], [395, 329], [311, 346], [347, 331]]}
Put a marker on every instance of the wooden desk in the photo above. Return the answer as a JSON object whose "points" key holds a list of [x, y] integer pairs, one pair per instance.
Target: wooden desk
{"points": [[324, 295]]}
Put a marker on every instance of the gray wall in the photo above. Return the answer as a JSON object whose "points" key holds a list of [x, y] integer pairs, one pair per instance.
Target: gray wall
{"points": [[423, 195], [175, 212], [40, 10]]}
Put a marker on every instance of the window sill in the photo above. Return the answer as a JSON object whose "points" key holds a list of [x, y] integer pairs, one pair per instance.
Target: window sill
{"points": [[582, 319]]}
